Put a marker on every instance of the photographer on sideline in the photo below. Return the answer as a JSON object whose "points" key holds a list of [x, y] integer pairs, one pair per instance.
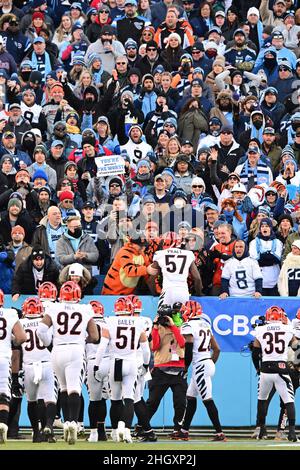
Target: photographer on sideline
{"points": [[169, 366]]}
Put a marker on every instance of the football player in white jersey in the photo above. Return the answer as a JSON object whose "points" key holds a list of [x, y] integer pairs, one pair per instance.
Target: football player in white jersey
{"points": [[176, 264], [97, 384], [38, 372], [199, 344], [10, 330], [143, 430], [48, 293], [272, 341], [71, 322], [241, 275], [124, 333]]}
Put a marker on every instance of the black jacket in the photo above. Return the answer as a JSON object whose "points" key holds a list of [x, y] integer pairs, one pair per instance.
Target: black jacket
{"points": [[23, 281], [23, 219]]}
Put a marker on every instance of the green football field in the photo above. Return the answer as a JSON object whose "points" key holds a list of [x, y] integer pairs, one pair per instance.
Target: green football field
{"points": [[231, 444]]}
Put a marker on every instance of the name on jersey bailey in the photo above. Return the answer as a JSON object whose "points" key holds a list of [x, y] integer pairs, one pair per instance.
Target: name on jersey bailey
{"points": [[125, 321]]}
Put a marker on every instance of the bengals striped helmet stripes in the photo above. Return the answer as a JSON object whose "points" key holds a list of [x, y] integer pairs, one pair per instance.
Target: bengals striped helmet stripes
{"points": [[275, 313], [32, 306], [191, 309], [98, 308], [70, 292], [123, 306], [136, 302], [47, 290]]}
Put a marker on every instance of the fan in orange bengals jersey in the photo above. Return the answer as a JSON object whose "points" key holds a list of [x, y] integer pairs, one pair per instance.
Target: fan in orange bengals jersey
{"points": [[129, 265]]}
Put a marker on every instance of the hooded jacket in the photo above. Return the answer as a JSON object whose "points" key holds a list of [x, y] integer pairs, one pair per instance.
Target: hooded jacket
{"points": [[65, 253], [23, 281], [289, 277]]}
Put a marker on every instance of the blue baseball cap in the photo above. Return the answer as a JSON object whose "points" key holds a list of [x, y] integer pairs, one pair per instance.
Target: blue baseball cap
{"points": [[39, 39]]}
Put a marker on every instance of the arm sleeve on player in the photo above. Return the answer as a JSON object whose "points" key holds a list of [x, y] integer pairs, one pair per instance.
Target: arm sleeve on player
{"points": [[178, 336], [256, 356], [224, 285], [146, 352], [188, 354], [258, 285], [44, 334], [155, 339], [101, 350]]}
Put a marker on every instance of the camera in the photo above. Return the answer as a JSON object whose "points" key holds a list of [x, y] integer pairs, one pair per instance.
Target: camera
{"points": [[163, 312], [261, 321]]}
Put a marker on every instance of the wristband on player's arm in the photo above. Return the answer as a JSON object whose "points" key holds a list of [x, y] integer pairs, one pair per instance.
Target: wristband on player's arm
{"points": [[188, 354], [256, 357]]}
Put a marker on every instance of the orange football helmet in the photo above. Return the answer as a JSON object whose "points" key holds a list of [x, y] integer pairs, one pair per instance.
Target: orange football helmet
{"points": [[98, 308], [190, 309], [47, 290], [123, 306], [70, 292], [1, 298], [32, 306], [136, 302], [275, 313]]}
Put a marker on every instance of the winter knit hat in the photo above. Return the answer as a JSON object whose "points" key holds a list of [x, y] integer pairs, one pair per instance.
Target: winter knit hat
{"points": [[14, 202], [288, 150], [143, 162], [286, 217], [266, 221], [39, 174], [66, 195]]}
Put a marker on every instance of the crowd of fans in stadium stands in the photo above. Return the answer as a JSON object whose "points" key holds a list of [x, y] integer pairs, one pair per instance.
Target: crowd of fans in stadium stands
{"points": [[201, 101]]}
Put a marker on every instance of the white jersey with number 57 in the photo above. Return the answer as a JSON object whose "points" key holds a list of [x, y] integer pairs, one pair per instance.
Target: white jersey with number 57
{"points": [[175, 265], [69, 322], [202, 334], [124, 332], [274, 339]]}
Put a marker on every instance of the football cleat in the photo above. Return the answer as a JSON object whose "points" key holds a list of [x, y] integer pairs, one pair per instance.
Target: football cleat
{"points": [[49, 435], [262, 433], [182, 435], [93, 437], [73, 427], [3, 433], [80, 430], [255, 433], [280, 436], [138, 431], [148, 437], [292, 436], [127, 436], [58, 423], [66, 431], [219, 437], [115, 435], [37, 437], [173, 434], [120, 430]]}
